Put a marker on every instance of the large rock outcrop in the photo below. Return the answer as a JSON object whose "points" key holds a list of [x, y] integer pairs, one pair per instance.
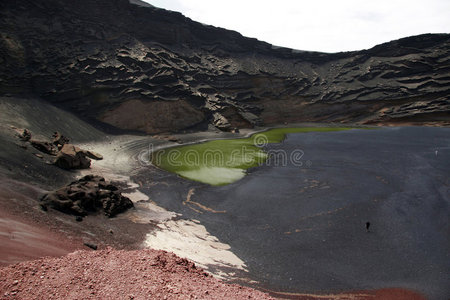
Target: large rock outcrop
{"points": [[101, 58], [67, 156], [73, 157], [87, 195]]}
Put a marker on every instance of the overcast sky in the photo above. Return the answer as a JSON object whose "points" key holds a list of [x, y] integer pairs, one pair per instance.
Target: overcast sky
{"points": [[320, 25]]}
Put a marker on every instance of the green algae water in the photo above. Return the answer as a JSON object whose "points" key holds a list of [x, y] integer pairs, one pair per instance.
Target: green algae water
{"points": [[222, 162]]}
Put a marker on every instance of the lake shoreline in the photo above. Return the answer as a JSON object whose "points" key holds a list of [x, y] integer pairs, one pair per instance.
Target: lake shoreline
{"points": [[122, 164], [208, 202]]}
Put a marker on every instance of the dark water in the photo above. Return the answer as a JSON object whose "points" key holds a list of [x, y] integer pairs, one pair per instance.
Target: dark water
{"points": [[301, 228]]}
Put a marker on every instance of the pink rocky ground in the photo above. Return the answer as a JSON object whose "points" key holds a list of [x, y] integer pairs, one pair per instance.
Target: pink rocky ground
{"points": [[116, 274]]}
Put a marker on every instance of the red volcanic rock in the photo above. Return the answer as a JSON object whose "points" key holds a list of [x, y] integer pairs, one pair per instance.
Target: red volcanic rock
{"points": [[114, 274]]}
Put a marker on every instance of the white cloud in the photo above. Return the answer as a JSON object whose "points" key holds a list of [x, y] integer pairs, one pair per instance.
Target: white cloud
{"points": [[321, 25]]}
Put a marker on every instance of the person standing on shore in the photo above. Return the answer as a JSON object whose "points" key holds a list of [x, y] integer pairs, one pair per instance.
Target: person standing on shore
{"points": [[367, 226]]}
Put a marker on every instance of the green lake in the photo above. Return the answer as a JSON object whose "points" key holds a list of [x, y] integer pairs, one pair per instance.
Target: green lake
{"points": [[221, 162]]}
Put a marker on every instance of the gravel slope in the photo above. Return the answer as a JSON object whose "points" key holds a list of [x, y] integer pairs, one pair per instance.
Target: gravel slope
{"points": [[116, 274]]}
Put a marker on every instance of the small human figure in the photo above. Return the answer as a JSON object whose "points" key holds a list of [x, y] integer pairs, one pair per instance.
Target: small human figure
{"points": [[367, 226]]}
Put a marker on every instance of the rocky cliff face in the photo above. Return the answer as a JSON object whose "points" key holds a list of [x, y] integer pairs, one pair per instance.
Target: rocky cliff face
{"points": [[142, 68]]}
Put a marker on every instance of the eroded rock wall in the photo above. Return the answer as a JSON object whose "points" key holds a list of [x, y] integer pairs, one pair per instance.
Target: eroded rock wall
{"points": [[152, 70]]}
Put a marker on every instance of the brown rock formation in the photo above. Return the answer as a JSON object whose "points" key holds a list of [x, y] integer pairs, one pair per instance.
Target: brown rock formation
{"points": [[45, 147], [59, 140], [87, 195], [68, 156], [72, 157], [93, 155]]}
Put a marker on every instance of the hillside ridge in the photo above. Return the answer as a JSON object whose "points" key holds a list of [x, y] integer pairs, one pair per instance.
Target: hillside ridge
{"points": [[152, 70]]}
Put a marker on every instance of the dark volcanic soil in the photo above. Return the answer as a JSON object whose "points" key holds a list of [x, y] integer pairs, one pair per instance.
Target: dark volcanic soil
{"points": [[113, 274]]}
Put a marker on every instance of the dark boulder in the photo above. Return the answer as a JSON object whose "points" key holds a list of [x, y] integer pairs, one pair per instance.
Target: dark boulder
{"points": [[59, 140], [87, 195], [26, 135], [72, 157], [90, 245]]}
